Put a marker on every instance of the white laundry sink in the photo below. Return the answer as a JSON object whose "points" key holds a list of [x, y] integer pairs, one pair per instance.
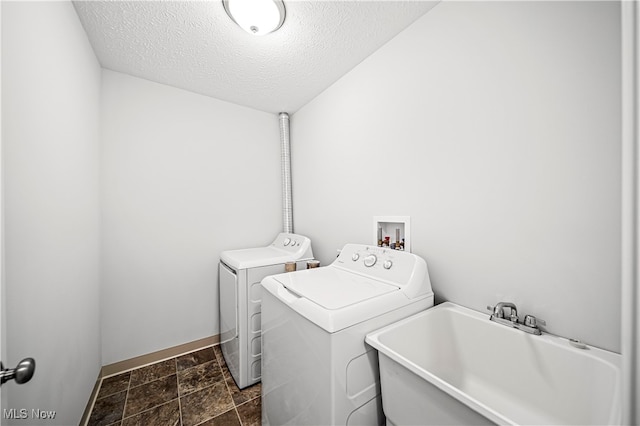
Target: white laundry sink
{"points": [[452, 365]]}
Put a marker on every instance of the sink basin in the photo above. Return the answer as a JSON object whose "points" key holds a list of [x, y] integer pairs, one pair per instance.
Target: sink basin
{"points": [[451, 365]]}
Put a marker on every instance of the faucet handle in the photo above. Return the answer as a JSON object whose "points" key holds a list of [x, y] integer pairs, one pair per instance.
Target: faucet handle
{"points": [[533, 322], [498, 313]]}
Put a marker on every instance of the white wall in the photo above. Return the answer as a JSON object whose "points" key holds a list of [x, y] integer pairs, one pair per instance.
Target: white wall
{"points": [[630, 213], [496, 127], [184, 177], [50, 116]]}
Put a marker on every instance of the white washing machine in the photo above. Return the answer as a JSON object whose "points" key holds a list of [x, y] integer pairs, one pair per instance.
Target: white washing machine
{"points": [[316, 367], [240, 273]]}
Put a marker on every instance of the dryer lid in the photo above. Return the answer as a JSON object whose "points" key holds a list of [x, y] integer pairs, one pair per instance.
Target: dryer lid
{"points": [[333, 288], [285, 248], [255, 257]]}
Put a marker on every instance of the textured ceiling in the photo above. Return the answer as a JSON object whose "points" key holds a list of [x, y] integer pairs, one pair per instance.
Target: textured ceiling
{"points": [[194, 45]]}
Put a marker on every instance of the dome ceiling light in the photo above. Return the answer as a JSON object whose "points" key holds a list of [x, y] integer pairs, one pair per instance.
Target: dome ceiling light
{"points": [[257, 17]]}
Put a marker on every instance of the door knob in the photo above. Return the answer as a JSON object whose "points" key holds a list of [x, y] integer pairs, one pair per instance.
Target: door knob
{"points": [[21, 374]]}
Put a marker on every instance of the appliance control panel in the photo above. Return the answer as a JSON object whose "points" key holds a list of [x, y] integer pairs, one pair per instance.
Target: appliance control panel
{"points": [[292, 243], [400, 268]]}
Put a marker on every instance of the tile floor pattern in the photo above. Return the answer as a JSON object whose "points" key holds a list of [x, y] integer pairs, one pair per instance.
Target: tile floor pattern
{"points": [[189, 390]]}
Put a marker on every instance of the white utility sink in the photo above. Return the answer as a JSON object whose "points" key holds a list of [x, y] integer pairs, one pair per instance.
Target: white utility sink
{"points": [[451, 365]]}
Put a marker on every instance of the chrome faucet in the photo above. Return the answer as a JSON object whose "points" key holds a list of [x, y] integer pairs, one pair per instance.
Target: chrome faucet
{"points": [[529, 325], [498, 310]]}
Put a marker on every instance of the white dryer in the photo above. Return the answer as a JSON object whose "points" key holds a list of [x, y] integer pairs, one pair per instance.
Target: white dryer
{"points": [[316, 367], [240, 273]]}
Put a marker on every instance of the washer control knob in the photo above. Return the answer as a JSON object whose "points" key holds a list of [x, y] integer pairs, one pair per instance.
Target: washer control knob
{"points": [[287, 241], [387, 264], [355, 256], [370, 260]]}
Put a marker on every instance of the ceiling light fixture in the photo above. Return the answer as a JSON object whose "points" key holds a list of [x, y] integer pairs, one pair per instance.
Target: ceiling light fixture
{"points": [[257, 17]]}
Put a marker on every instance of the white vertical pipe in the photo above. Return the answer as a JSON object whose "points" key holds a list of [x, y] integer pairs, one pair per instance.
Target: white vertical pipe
{"points": [[630, 15], [285, 150]]}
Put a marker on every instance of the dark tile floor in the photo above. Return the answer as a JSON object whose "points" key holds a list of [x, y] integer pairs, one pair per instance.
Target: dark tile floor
{"points": [[189, 390]]}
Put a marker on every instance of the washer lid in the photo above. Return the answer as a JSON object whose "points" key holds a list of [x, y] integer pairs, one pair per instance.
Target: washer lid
{"points": [[333, 288], [345, 308]]}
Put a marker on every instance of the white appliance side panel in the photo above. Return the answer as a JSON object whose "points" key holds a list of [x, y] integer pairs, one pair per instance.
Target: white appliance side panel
{"points": [[254, 320], [296, 365], [229, 327], [228, 302]]}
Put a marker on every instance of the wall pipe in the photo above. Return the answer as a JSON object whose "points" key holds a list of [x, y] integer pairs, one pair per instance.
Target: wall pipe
{"points": [[285, 150]]}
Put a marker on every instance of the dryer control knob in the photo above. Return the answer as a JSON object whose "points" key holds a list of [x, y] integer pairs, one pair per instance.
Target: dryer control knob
{"points": [[355, 256], [287, 241], [387, 264], [370, 260]]}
